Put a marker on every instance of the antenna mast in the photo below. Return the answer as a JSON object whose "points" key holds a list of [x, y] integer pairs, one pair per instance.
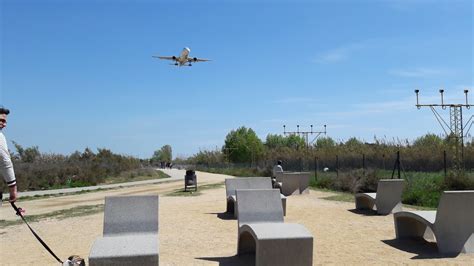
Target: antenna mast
{"points": [[455, 129], [304, 134]]}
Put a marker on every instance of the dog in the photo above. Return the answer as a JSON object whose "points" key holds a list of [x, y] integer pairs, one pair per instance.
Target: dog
{"points": [[74, 260]]}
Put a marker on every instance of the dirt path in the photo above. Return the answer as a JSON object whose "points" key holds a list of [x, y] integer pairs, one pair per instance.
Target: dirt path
{"points": [[194, 231]]}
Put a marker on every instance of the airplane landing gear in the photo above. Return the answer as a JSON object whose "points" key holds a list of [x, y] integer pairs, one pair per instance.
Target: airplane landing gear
{"points": [[190, 64]]}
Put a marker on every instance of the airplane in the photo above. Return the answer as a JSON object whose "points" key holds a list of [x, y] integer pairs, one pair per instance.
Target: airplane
{"points": [[183, 59]]}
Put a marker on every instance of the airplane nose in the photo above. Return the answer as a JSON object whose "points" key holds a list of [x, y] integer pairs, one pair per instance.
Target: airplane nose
{"points": [[186, 48]]}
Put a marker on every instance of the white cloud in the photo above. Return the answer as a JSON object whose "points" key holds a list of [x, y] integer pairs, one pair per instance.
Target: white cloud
{"points": [[420, 72], [332, 56], [340, 53]]}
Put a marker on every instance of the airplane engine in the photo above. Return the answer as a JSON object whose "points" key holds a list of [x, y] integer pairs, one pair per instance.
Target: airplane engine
{"points": [[195, 59], [174, 57]]}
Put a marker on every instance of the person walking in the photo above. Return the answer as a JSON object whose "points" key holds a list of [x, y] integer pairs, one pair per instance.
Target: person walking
{"points": [[6, 165]]}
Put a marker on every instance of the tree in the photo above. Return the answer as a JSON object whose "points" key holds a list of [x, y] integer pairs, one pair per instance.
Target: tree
{"points": [[243, 146], [326, 142], [295, 142], [27, 155], [279, 141], [275, 141], [353, 144], [163, 154], [428, 141]]}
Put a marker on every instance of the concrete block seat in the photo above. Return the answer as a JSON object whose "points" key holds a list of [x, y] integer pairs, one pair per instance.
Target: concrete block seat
{"points": [[130, 234], [452, 224], [232, 184], [262, 230], [388, 198], [293, 183]]}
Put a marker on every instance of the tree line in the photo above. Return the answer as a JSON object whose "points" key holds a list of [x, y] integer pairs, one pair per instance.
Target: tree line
{"points": [[243, 147]]}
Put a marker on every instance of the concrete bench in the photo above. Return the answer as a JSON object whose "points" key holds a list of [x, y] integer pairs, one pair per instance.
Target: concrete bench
{"points": [[452, 224], [130, 234], [232, 184], [293, 183], [388, 198], [263, 232]]}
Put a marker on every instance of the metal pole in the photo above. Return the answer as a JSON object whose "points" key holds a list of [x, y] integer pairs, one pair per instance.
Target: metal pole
{"points": [[445, 164], [383, 161], [398, 163], [315, 172]]}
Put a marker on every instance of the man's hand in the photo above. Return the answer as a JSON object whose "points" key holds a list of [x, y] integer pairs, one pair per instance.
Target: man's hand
{"points": [[13, 193]]}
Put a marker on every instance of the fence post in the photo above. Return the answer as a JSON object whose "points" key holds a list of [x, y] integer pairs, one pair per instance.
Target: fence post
{"points": [[398, 160], [383, 161], [445, 164], [337, 166], [315, 168], [397, 165]]}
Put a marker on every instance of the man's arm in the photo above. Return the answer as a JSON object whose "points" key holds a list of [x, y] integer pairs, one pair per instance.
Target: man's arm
{"points": [[6, 167]]}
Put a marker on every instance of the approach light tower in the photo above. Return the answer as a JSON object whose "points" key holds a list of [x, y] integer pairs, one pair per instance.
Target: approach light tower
{"points": [[304, 134], [455, 129]]}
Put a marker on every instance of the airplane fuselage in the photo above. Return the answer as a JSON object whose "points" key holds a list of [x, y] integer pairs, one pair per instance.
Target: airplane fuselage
{"points": [[183, 57]]}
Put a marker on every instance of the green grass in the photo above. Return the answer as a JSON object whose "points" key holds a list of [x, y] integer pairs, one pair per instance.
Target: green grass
{"points": [[136, 175], [59, 215], [113, 180], [46, 196], [191, 192], [345, 197], [349, 197], [240, 172]]}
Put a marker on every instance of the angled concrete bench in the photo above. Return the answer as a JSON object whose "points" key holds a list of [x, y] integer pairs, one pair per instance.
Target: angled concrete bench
{"points": [[262, 231], [130, 235], [232, 184], [452, 224], [388, 198], [293, 183]]}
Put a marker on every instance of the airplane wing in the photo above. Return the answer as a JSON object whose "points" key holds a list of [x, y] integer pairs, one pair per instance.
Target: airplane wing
{"points": [[194, 59], [165, 57]]}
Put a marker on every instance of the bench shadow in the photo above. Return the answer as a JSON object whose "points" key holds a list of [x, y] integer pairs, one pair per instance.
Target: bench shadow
{"points": [[223, 215], [366, 212], [421, 247], [244, 259]]}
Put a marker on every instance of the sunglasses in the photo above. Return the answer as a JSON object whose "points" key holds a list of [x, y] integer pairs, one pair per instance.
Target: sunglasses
{"points": [[3, 120]]}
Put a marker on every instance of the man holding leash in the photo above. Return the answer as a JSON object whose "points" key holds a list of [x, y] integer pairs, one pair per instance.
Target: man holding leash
{"points": [[6, 166]]}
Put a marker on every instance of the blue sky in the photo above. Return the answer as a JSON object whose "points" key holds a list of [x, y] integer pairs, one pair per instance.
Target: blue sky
{"points": [[80, 74]]}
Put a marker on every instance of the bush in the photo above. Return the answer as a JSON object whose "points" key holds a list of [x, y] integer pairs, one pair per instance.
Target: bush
{"points": [[459, 181], [35, 170], [423, 190]]}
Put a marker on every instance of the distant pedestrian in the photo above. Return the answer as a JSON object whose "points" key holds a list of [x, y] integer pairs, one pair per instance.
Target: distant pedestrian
{"points": [[276, 169], [6, 165]]}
